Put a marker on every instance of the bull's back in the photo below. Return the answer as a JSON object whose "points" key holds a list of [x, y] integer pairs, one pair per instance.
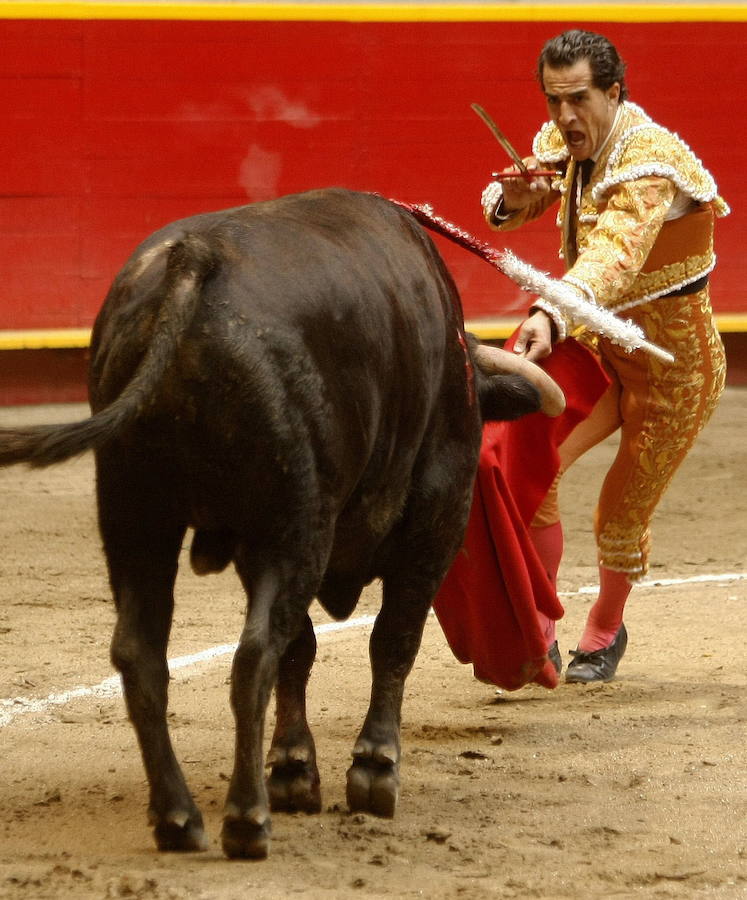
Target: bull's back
{"points": [[321, 344]]}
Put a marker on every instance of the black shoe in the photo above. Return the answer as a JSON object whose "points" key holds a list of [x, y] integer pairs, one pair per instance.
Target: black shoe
{"points": [[597, 665], [553, 655]]}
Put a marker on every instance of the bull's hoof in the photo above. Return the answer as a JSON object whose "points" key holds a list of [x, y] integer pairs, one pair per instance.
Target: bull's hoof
{"points": [[294, 790], [180, 833], [247, 836], [293, 783], [373, 787]]}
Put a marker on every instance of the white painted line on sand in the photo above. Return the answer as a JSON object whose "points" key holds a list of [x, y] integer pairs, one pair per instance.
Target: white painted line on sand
{"points": [[668, 582], [14, 707]]}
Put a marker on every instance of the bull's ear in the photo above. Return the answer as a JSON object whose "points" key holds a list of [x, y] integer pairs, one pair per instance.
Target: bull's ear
{"points": [[504, 398]]}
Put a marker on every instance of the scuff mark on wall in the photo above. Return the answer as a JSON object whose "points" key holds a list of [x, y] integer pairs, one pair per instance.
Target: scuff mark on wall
{"points": [[259, 173], [270, 102]]}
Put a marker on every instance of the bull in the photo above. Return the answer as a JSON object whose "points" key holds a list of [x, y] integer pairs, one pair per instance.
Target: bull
{"points": [[289, 379]]}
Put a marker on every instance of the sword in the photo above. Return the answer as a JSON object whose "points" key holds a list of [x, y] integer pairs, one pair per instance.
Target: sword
{"points": [[508, 147]]}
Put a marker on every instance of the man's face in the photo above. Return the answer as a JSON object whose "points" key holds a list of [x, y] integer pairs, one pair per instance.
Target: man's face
{"points": [[583, 113]]}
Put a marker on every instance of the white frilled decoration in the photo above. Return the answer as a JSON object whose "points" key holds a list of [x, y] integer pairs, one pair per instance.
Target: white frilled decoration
{"points": [[622, 332], [597, 319]]}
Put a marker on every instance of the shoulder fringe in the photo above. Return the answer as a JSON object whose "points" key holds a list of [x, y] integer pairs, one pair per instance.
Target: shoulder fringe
{"points": [[549, 147], [692, 177], [548, 144]]}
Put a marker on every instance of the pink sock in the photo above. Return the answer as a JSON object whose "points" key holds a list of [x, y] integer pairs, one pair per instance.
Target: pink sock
{"points": [[605, 617], [548, 542]]}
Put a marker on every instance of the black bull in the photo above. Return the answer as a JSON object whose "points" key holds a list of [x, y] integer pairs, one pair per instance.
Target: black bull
{"points": [[290, 379]]}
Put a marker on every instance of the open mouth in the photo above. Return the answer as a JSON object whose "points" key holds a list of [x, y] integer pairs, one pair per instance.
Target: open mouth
{"points": [[574, 139]]}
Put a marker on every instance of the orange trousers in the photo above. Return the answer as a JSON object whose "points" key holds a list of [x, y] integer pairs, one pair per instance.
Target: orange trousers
{"points": [[659, 408]]}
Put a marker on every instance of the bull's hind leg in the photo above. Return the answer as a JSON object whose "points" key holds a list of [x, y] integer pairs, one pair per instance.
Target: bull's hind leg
{"points": [[293, 783], [373, 778], [417, 558], [142, 551], [276, 616]]}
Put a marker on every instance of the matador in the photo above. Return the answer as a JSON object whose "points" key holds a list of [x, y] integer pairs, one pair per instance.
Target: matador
{"points": [[636, 214]]}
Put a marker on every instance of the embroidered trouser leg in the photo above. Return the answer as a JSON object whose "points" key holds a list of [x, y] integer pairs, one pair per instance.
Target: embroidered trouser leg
{"points": [[659, 409]]}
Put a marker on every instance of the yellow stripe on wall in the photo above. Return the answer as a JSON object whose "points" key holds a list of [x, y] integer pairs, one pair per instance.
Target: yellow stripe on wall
{"points": [[46, 339], [380, 12], [486, 329], [501, 327]]}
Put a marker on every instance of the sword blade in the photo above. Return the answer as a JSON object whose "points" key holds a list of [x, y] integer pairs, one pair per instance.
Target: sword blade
{"points": [[500, 137]]}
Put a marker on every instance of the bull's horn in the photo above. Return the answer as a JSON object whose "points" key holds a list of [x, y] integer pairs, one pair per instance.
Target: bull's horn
{"points": [[495, 361]]}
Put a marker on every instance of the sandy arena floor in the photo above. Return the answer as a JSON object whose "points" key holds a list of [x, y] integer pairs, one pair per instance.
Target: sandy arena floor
{"points": [[633, 789]]}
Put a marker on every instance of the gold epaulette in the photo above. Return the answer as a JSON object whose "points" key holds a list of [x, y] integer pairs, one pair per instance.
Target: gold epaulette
{"points": [[647, 149], [549, 146], [639, 148]]}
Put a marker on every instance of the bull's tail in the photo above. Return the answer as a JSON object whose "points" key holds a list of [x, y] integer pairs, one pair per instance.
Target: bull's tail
{"points": [[190, 260]]}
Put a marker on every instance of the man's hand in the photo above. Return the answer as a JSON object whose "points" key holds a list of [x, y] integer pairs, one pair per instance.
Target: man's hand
{"points": [[519, 192], [534, 340]]}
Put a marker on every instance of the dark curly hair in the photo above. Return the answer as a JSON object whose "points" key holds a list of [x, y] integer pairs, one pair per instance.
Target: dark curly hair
{"points": [[571, 46]]}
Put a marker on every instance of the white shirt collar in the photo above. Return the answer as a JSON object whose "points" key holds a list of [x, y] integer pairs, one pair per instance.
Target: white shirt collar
{"points": [[595, 156]]}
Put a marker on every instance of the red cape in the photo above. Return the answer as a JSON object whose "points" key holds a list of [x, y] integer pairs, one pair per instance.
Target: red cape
{"points": [[487, 605]]}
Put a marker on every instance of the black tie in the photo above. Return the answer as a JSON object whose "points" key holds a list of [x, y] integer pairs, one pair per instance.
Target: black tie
{"points": [[586, 169]]}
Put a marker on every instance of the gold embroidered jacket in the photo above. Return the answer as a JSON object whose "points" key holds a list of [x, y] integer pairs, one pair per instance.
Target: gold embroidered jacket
{"points": [[625, 251]]}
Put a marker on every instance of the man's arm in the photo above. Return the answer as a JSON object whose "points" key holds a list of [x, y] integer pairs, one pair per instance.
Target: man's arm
{"points": [[613, 253]]}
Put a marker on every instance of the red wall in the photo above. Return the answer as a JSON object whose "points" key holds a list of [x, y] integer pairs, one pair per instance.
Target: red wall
{"points": [[112, 128]]}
